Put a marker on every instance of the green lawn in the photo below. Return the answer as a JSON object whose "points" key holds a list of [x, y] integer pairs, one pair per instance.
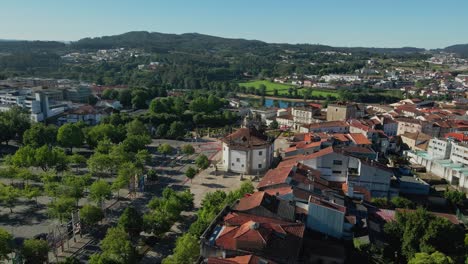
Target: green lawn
{"points": [[283, 88], [270, 86]]}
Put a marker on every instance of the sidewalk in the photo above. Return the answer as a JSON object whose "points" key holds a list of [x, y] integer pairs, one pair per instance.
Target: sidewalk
{"points": [[70, 251]]}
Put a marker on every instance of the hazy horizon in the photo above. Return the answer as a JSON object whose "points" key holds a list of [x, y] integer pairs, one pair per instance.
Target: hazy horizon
{"points": [[338, 23]]}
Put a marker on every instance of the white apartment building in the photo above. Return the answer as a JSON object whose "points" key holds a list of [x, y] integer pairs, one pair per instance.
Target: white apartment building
{"points": [[446, 159], [336, 166], [36, 103]]}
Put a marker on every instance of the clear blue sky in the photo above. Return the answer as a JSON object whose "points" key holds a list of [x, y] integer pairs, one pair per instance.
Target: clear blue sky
{"points": [[370, 23]]}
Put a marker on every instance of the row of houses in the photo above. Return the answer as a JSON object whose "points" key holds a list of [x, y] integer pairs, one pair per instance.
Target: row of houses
{"points": [[304, 208]]}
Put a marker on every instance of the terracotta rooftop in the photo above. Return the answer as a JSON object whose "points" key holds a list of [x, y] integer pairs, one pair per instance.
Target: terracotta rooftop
{"points": [[327, 124], [276, 176], [247, 259], [246, 138], [458, 136], [276, 240], [239, 218], [359, 139], [270, 204], [298, 158], [418, 136]]}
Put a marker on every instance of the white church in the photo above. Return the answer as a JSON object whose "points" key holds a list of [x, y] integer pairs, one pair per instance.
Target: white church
{"points": [[247, 151]]}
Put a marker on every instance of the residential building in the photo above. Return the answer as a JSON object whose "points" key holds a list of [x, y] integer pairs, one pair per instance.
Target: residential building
{"points": [[328, 127], [78, 94], [304, 115], [86, 113], [416, 141], [341, 112]]}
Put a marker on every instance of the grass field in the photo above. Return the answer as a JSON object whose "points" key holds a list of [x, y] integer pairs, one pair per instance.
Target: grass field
{"points": [[283, 88], [270, 86]]}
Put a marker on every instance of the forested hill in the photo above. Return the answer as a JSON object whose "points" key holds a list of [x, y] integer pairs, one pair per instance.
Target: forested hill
{"points": [[189, 42], [160, 42], [461, 49], [17, 46]]}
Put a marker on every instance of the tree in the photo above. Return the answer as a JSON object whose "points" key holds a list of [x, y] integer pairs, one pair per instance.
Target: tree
{"points": [[6, 244], [132, 221], [202, 162], [116, 134], [456, 198], [439, 231], [139, 98], [104, 146], [117, 246], [47, 158], [69, 136], [419, 231], [274, 124], [142, 157], [127, 171], [434, 258], [77, 160], [9, 196], [152, 175], [190, 173], [186, 251], [13, 122], [35, 251], [32, 193], [157, 223], [188, 149], [39, 135], [99, 191], [100, 163], [62, 208], [73, 186], [125, 98], [91, 215], [161, 131], [165, 149], [136, 128], [401, 202], [134, 143], [24, 157], [262, 89], [176, 130]]}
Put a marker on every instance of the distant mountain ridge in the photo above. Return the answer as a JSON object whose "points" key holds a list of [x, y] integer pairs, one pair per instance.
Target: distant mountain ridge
{"points": [[190, 42], [460, 49], [144, 39]]}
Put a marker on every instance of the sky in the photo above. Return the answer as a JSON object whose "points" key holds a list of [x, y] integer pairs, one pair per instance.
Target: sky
{"points": [[344, 23]]}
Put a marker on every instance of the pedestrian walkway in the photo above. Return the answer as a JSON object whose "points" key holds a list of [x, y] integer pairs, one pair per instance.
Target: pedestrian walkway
{"points": [[69, 249]]}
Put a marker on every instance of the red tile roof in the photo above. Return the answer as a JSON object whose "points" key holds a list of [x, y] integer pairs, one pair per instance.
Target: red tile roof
{"points": [[279, 191], [247, 259], [245, 138], [458, 136], [250, 202], [317, 154], [276, 176], [327, 124], [255, 237], [359, 139], [358, 124]]}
